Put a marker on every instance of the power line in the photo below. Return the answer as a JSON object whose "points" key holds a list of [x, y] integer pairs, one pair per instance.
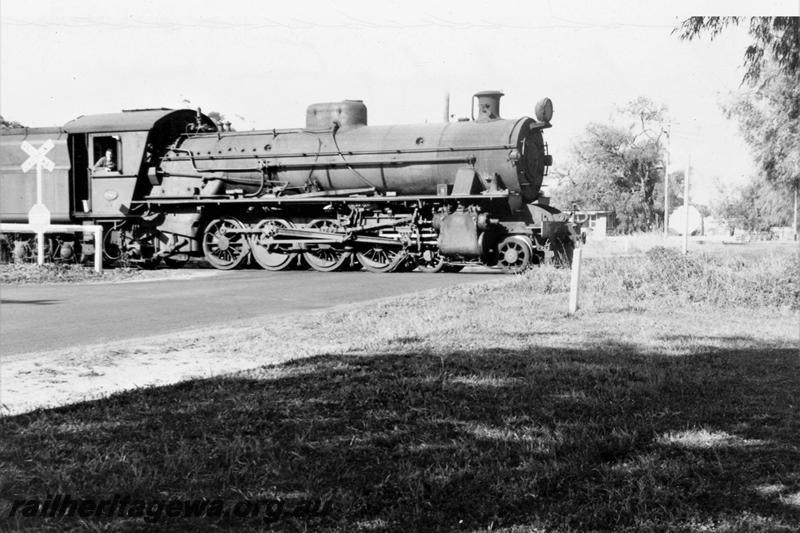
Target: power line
{"points": [[295, 24]]}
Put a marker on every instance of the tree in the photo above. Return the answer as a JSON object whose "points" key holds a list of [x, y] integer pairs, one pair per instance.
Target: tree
{"points": [[769, 119], [775, 38], [675, 191], [9, 123], [217, 117], [769, 113], [620, 167], [754, 207]]}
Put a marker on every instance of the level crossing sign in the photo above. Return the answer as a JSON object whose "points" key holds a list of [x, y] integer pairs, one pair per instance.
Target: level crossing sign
{"points": [[38, 156], [39, 215]]}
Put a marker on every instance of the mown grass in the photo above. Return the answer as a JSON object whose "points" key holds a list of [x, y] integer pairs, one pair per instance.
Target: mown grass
{"points": [[558, 439], [474, 408]]}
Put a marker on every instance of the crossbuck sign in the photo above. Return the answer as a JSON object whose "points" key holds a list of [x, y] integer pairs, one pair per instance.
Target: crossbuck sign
{"points": [[39, 215], [38, 156]]}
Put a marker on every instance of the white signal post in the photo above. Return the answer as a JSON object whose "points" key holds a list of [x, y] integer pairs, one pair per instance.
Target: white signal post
{"points": [[39, 215], [686, 206], [574, 286], [666, 186]]}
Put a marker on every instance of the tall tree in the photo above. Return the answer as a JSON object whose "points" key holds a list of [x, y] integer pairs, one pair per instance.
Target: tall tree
{"points": [[769, 119], [620, 167], [775, 38], [768, 111]]}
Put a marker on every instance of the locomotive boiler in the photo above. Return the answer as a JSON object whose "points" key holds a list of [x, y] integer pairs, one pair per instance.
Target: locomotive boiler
{"points": [[335, 194]]}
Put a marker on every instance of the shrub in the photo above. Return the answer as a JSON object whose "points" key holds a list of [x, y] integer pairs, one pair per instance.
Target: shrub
{"points": [[720, 280]]}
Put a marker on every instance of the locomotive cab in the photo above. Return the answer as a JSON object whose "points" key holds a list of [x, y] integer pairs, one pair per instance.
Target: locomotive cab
{"points": [[106, 191]]}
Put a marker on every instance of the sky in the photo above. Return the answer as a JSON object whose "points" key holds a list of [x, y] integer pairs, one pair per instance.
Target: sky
{"points": [[262, 63]]}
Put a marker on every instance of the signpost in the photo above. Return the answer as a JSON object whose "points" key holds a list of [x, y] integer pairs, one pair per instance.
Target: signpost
{"points": [[39, 215], [574, 285], [666, 185], [686, 206]]}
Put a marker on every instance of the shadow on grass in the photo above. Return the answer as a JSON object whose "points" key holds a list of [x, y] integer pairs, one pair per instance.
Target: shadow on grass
{"points": [[9, 301], [560, 439]]}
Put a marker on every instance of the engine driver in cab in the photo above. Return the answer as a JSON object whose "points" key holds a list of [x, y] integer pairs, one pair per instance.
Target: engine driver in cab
{"points": [[105, 163]]}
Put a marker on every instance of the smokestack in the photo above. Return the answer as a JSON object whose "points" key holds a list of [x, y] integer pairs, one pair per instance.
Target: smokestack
{"points": [[447, 107], [488, 105]]}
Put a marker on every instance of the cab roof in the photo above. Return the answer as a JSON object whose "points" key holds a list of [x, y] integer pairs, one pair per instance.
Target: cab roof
{"points": [[134, 120]]}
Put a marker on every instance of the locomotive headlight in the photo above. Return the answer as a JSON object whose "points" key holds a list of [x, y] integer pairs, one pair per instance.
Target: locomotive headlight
{"points": [[544, 110]]}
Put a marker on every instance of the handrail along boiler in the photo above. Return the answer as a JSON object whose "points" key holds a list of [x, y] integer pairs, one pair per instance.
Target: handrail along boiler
{"points": [[337, 194]]}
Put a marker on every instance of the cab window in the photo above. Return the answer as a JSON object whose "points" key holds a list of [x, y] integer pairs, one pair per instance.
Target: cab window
{"points": [[107, 154]]}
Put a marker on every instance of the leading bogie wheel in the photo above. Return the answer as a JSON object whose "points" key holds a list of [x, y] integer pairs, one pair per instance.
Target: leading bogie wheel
{"points": [[514, 254], [430, 262], [224, 245], [269, 254], [327, 257]]}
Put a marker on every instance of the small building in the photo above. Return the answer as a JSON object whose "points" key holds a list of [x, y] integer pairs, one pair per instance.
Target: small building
{"points": [[597, 223]]}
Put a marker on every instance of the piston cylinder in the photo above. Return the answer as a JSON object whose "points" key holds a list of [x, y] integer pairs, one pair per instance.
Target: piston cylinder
{"points": [[458, 235]]}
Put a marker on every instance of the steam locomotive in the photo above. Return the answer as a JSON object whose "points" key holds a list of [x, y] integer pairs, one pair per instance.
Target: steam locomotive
{"points": [[336, 194]]}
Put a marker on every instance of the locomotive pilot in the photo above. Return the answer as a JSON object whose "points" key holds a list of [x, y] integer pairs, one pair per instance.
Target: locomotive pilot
{"points": [[106, 163]]}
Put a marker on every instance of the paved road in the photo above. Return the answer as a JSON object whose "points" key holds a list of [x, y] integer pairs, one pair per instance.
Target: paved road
{"points": [[48, 317]]}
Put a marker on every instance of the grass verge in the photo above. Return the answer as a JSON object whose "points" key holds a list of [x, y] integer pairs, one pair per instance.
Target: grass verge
{"points": [[719, 280], [475, 408]]}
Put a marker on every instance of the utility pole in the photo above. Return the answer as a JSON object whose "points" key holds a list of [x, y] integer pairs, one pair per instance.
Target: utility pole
{"points": [[666, 186], [686, 205]]}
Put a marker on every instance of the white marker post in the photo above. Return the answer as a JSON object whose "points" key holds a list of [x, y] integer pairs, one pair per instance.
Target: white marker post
{"points": [[666, 186], [39, 215], [575, 282], [686, 206]]}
